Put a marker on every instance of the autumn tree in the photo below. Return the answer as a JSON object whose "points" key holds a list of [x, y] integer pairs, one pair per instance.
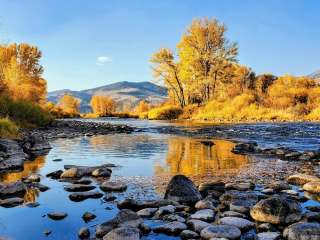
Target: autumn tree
{"points": [[21, 73], [102, 105], [142, 106], [69, 105]]}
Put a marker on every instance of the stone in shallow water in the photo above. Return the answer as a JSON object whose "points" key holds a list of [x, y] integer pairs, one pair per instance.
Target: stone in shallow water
{"points": [[188, 234], [32, 204], [277, 210], [39, 186], [78, 188], [173, 218], [81, 196], [197, 225], [11, 202], [124, 218], [312, 187], [182, 189], [220, 231], [240, 186], [268, 236], [165, 210], [111, 186], [101, 172], [206, 215], [123, 233], [207, 203], [279, 186], [57, 215], [302, 231], [301, 179], [88, 216], [33, 178], [135, 205], [232, 214], [84, 233], [147, 212], [241, 223], [235, 195], [204, 188], [8, 189], [172, 228], [55, 174], [241, 206]]}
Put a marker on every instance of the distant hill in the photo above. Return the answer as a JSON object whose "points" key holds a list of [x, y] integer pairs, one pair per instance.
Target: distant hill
{"points": [[124, 93], [316, 76]]}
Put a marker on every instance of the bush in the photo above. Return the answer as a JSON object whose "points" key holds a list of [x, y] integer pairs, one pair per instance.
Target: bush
{"points": [[8, 129], [24, 113], [166, 112]]}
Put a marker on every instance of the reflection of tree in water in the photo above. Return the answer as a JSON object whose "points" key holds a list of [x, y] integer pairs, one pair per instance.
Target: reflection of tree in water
{"points": [[190, 157], [139, 145], [31, 195], [28, 168]]}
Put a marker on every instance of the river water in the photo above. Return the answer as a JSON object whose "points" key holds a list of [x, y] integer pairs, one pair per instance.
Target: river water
{"points": [[147, 159]]}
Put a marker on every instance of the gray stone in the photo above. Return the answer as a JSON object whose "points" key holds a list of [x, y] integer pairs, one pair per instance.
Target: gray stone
{"points": [[268, 236], [78, 188], [10, 189], [188, 234], [11, 202], [197, 225], [111, 186], [241, 223], [57, 215], [240, 186], [220, 231], [81, 196], [123, 233], [206, 203], [206, 215], [302, 231], [174, 218], [172, 228], [232, 214], [147, 212], [165, 210], [33, 178]]}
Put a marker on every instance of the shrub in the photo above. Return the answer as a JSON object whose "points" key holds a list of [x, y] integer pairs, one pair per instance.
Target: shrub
{"points": [[8, 129], [166, 112]]}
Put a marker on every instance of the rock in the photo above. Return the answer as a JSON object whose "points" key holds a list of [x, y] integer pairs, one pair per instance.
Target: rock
{"points": [[35, 144], [312, 216], [197, 225], [123, 233], [124, 218], [301, 179], [241, 206], [206, 203], [84, 233], [313, 208], [88, 216], [241, 223], [10, 189], [172, 228], [312, 187], [57, 215], [232, 214], [240, 186], [173, 218], [165, 210], [14, 156], [47, 232], [135, 205], [242, 148], [32, 204], [279, 186], [221, 231], [78, 197], [182, 189], [235, 195], [268, 236], [101, 172], [11, 202], [188, 234], [294, 155], [147, 212], [290, 192], [33, 178], [266, 227], [277, 210], [71, 173], [39, 186], [302, 231], [57, 160], [78, 188], [206, 215], [111, 186], [55, 175], [144, 228], [211, 186]]}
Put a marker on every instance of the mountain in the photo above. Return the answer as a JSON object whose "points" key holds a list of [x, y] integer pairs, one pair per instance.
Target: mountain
{"points": [[124, 93], [315, 76]]}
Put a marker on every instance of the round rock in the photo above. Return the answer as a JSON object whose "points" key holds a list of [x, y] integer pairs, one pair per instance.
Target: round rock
{"points": [[57, 215], [241, 223], [303, 231], [111, 186], [123, 233], [220, 231]]}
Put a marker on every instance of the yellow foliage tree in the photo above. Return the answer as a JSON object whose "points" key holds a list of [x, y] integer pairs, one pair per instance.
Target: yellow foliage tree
{"points": [[142, 107], [102, 105], [69, 105]]}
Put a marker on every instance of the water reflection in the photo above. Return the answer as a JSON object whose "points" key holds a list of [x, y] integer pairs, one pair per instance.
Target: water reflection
{"points": [[191, 157]]}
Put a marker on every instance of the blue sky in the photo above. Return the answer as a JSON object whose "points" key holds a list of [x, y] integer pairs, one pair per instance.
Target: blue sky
{"points": [[91, 43]]}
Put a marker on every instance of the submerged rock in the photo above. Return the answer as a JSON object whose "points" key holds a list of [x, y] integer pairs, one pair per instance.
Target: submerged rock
{"points": [[123, 233], [84, 233], [11, 202], [55, 175], [81, 196], [78, 188], [302, 231], [110, 186], [57, 215], [220, 231], [125, 218], [88, 216], [277, 210], [182, 189]]}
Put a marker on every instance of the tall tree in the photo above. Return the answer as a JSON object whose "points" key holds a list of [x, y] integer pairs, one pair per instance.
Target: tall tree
{"points": [[102, 105], [69, 105]]}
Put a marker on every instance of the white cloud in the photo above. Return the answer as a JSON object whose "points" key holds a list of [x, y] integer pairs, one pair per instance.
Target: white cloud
{"points": [[102, 60]]}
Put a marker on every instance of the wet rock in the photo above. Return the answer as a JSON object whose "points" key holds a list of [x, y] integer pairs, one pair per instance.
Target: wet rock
{"points": [[207, 203], [84, 233], [173, 218], [47, 232], [279, 186], [182, 189], [294, 155], [10, 189], [241, 223], [211, 186], [39, 186], [235, 195], [268, 191], [78, 188], [312, 216], [240, 186], [242, 148], [188, 234], [313, 208], [290, 192], [220, 231], [125, 218], [232, 214], [145, 229], [13, 155], [57, 160], [83, 181], [197, 225], [111, 186], [81, 196], [172, 228], [55, 175], [302, 231], [123, 233], [57, 215], [32, 204], [301, 179], [147, 212], [241, 206], [312, 187], [72, 173], [11, 202], [33, 178], [268, 236], [135, 205], [266, 227], [206, 215], [277, 210], [101, 172], [35, 144], [88, 216], [165, 210]]}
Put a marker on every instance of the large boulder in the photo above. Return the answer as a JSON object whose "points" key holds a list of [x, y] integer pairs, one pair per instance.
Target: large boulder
{"points": [[277, 210], [312, 187], [11, 189], [241, 223], [182, 189], [13, 155], [301, 179], [125, 218], [303, 231], [220, 231]]}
